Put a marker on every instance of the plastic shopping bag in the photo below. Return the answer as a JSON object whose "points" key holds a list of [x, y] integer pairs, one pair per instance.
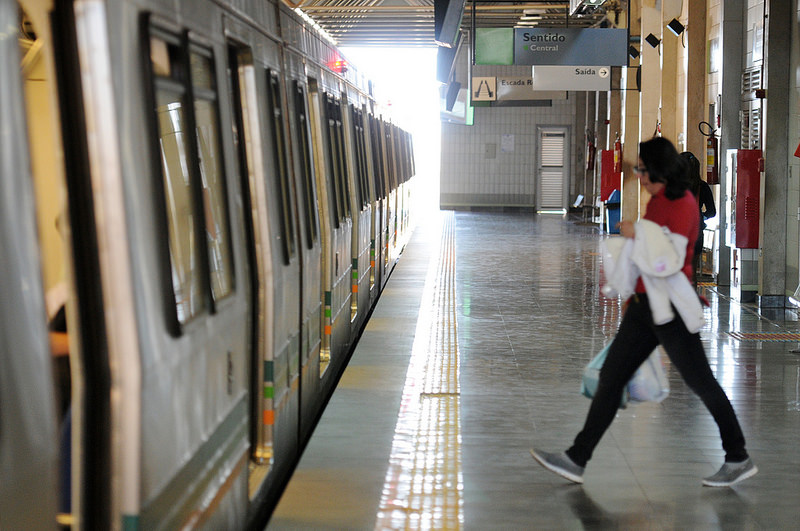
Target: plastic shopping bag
{"points": [[591, 376], [649, 383]]}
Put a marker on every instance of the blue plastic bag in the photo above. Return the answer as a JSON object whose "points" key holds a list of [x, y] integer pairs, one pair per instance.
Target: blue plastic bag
{"points": [[591, 376]]}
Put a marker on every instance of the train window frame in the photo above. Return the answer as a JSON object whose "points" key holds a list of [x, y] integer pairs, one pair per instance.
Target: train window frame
{"points": [[165, 68], [341, 159], [280, 166], [377, 157], [395, 157], [357, 165], [365, 135], [366, 197], [211, 95], [332, 155], [168, 75], [303, 129], [389, 140], [328, 161]]}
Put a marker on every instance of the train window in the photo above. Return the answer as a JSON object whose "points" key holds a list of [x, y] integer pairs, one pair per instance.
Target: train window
{"points": [[192, 172], [365, 154], [390, 159], [377, 157], [340, 159], [160, 57], [275, 118], [409, 158], [329, 165], [211, 174], [411, 154], [307, 179], [362, 157], [359, 170], [356, 158], [333, 156], [401, 149], [172, 119]]}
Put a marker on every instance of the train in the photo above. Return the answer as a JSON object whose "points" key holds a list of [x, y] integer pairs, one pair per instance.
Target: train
{"points": [[213, 199]]}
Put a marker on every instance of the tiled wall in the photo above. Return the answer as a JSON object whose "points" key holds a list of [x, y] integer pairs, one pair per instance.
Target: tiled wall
{"points": [[475, 169]]}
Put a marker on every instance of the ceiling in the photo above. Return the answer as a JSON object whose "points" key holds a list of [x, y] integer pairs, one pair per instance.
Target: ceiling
{"points": [[409, 23]]}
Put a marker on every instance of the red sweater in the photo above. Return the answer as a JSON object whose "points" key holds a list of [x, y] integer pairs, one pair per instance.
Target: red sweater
{"points": [[680, 217]]}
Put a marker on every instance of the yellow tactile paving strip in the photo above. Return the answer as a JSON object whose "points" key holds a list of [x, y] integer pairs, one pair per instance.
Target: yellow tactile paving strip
{"points": [[424, 482]]}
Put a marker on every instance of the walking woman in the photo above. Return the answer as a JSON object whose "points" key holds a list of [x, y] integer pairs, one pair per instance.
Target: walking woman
{"points": [[664, 175]]}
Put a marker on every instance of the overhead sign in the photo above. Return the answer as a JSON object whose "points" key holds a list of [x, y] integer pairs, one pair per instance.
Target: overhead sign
{"points": [[484, 88], [521, 89], [571, 78], [571, 46]]}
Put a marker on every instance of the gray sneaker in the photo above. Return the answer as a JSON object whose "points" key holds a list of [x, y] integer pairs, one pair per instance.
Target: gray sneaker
{"points": [[731, 473], [559, 463]]}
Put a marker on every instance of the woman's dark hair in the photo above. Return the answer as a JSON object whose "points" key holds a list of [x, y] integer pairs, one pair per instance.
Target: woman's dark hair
{"points": [[664, 165], [694, 171]]}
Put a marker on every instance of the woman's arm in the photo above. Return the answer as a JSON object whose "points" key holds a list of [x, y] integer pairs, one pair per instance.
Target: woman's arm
{"points": [[626, 228]]}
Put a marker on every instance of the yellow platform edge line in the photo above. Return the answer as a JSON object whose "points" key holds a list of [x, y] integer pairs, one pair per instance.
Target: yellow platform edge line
{"points": [[424, 482]]}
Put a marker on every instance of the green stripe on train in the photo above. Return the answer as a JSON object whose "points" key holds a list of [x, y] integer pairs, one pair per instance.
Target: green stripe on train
{"points": [[130, 522]]}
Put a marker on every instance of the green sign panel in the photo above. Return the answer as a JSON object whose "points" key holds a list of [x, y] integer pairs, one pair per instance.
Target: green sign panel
{"points": [[494, 46]]}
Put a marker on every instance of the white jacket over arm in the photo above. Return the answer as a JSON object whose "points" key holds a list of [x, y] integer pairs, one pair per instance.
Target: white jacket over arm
{"points": [[658, 256]]}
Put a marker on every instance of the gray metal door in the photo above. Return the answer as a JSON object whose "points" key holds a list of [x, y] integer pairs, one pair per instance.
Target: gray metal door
{"points": [[553, 168]]}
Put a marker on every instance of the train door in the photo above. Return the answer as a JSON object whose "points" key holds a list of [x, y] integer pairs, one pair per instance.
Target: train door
{"points": [[328, 208], [394, 195], [408, 154], [379, 210], [262, 137], [361, 208], [401, 141], [309, 244], [67, 171], [243, 76], [29, 438], [337, 298], [553, 169], [190, 274]]}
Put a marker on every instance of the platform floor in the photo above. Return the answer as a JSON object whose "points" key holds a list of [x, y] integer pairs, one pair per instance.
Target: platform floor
{"points": [[474, 353]]}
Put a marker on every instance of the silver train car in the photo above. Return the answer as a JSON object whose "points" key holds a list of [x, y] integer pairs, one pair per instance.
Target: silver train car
{"points": [[212, 204]]}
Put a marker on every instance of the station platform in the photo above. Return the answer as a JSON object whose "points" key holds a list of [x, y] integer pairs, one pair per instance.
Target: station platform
{"points": [[474, 354]]}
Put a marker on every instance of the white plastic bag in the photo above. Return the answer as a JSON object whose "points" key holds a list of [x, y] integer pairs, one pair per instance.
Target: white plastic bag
{"points": [[649, 383]]}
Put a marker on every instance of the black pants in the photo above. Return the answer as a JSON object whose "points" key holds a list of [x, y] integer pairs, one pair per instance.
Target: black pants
{"points": [[636, 339]]}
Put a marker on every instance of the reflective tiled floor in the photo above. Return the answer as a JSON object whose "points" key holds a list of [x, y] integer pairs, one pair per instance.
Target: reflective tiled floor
{"points": [[529, 316]]}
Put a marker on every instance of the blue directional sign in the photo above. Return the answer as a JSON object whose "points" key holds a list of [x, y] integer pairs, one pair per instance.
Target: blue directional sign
{"points": [[571, 46]]}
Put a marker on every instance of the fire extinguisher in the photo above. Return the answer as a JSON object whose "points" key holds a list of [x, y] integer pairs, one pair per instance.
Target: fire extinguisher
{"points": [[590, 153], [712, 152], [617, 155]]}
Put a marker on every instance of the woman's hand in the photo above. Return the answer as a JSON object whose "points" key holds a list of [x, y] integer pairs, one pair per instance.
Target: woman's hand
{"points": [[626, 228]]}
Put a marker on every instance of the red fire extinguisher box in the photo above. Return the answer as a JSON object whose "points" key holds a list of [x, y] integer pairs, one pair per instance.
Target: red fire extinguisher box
{"points": [[609, 179], [746, 198]]}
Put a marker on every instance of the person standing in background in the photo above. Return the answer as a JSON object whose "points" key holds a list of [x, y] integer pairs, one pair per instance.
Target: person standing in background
{"points": [[705, 199]]}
